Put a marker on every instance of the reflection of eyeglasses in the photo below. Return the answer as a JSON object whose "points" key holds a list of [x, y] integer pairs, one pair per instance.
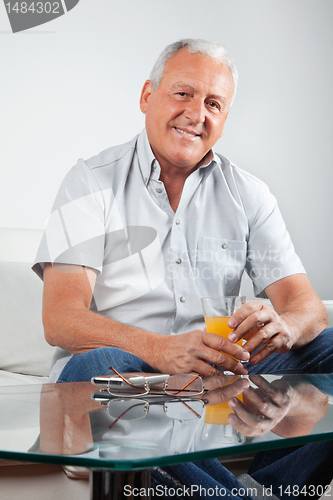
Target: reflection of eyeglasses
{"points": [[134, 409], [175, 385]]}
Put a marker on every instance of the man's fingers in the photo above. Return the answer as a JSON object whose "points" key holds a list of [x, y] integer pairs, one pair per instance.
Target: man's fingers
{"points": [[226, 392], [275, 333], [279, 343], [221, 352], [245, 311], [216, 382], [263, 328], [199, 351], [253, 317], [259, 403], [223, 361], [224, 345], [279, 394], [249, 423], [205, 370], [258, 426]]}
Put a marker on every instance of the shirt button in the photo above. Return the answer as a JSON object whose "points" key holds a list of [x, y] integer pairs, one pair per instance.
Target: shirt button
{"points": [[177, 221], [182, 299], [159, 190], [224, 246], [178, 261]]}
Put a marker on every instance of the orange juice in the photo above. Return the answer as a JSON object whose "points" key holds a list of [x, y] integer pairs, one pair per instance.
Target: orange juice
{"points": [[217, 414], [218, 324]]}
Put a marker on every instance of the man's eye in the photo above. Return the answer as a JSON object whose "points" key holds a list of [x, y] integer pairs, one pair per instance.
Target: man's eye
{"points": [[182, 94], [213, 104]]}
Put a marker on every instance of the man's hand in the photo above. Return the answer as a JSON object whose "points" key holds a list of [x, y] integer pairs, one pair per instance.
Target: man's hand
{"points": [[263, 408], [192, 351], [224, 387], [297, 318], [281, 406], [260, 325]]}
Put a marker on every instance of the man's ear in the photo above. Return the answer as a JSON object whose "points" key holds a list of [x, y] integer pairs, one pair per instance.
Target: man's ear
{"points": [[145, 94]]}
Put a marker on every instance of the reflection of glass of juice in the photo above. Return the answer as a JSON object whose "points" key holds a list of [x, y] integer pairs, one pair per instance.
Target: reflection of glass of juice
{"points": [[217, 414], [216, 427], [218, 324]]}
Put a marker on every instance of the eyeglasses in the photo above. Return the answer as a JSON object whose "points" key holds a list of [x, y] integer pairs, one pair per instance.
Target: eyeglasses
{"points": [[134, 409], [174, 385]]}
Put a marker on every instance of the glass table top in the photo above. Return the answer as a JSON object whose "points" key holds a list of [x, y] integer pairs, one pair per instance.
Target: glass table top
{"points": [[77, 424]]}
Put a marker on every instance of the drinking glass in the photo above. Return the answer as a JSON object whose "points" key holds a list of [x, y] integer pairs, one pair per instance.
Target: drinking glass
{"points": [[217, 311], [217, 428]]}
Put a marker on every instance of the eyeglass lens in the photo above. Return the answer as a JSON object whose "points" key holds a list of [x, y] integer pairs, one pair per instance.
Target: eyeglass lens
{"points": [[184, 385], [128, 409]]}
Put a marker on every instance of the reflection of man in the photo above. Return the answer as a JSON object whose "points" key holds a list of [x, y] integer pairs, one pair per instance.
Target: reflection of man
{"points": [[153, 225]]}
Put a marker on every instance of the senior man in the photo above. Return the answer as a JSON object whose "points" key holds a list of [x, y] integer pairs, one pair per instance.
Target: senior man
{"points": [[139, 233]]}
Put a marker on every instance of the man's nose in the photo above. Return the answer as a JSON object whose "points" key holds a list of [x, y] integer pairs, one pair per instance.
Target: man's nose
{"points": [[195, 110]]}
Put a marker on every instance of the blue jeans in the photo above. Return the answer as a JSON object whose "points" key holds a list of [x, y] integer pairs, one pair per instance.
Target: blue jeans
{"points": [[305, 465], [284, 472]]}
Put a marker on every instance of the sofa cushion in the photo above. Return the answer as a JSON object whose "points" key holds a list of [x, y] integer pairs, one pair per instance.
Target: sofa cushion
{"points": [[329, 309], [23, 347]]}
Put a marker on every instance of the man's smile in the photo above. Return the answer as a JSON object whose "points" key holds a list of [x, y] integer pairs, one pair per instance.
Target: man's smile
{"points": [[187, 132]]}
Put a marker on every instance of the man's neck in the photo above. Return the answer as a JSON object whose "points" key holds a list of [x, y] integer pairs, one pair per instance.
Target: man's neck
{"points": [[174, 187], [174, 179]]}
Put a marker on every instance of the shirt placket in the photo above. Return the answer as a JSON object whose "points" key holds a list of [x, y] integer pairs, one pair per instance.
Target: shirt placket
{"points": [[179, 265], [182, 270]]}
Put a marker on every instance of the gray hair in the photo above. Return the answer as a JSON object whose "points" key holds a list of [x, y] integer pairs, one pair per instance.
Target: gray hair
{"points": [[195, 46]]}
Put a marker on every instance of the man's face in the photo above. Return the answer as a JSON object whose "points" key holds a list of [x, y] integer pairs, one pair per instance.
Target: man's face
{"points": [[185, 116]]}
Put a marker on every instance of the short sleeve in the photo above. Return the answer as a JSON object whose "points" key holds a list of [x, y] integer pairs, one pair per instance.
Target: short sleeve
{"points": [[75, 230], [270, 255]]}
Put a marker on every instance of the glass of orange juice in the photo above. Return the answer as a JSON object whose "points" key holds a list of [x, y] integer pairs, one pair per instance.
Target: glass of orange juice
{"points": [[216, 426], [217, 311]]}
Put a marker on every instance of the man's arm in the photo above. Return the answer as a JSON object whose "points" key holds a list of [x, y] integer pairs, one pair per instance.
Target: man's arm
{"points": [[297, 318], [68, 323]]}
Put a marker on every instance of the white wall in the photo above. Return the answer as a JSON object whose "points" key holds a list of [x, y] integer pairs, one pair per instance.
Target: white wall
{"points": [[70, 88]]}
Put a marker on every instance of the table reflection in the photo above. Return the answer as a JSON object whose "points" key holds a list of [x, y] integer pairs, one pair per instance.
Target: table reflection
{"points": [[75, 419]]}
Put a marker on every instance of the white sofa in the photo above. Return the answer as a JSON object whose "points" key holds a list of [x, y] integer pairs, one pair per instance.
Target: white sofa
{"points": [[25, 358]]}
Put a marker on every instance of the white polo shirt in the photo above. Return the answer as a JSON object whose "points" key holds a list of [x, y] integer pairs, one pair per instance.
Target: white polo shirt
{"points": [[112, 214]]}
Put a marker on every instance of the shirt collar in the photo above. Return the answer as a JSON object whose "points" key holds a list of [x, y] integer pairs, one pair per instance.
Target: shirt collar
{"points": [[147, 158], [145, 154]]}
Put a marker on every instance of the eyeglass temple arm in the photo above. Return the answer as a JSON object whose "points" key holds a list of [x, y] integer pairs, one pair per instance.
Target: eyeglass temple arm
{"points": [[122, 378], [117, 419], [189, 383], [193, 411]]}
